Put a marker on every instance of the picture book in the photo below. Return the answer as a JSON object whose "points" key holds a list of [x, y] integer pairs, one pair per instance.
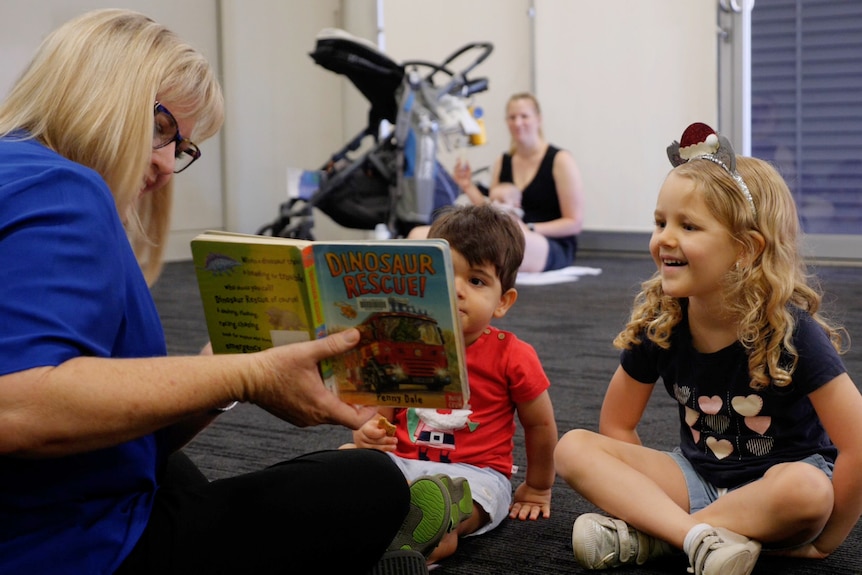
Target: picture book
{"points": [[261, 291]]}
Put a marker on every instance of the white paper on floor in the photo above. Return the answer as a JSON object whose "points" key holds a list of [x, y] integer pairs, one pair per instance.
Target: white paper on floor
{"points": [[567, 274]]}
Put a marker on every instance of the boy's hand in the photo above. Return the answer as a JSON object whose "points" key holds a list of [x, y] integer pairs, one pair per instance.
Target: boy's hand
{"points": [[530, 503], [373, 435]]}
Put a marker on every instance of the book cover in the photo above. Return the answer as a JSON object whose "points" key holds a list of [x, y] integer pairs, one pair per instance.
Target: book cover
{"points": [[260, 291]]}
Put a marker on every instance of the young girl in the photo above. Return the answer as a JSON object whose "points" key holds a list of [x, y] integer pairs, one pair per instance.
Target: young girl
{"points": [[770, 422]]}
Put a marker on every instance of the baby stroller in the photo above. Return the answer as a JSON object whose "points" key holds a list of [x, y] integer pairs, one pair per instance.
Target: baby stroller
{"points": [[398, 183]]}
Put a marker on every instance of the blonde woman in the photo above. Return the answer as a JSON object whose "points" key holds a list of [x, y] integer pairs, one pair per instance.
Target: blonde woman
{"points": [[552, 195], [92, 413]]}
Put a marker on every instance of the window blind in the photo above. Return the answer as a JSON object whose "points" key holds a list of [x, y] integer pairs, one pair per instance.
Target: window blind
{"points": [[806, 74]]}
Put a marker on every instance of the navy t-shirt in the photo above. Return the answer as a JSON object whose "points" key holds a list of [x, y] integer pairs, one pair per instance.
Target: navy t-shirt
{"points": [[70, 286], [729, 431]]}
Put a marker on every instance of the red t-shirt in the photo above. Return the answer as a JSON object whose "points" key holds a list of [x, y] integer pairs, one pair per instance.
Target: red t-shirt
{"points": [[503, 371]]}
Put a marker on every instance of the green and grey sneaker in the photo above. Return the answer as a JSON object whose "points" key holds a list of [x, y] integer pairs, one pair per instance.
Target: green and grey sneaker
{"points": [[400, 562], [601, 542], [429, 518], [460, 496], [720, 551]]}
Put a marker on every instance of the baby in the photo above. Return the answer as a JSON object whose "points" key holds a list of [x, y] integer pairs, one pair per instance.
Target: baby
{"points": [[506, 197]]}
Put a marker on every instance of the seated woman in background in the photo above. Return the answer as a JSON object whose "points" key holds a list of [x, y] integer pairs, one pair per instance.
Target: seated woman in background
{"points": [[550, 183]]}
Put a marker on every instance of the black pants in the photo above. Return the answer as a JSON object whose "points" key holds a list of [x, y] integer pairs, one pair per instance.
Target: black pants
{"points": [[325, 512]]}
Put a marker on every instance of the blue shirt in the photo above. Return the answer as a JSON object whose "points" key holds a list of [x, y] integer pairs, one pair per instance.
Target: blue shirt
{"points": [[70, 286]]}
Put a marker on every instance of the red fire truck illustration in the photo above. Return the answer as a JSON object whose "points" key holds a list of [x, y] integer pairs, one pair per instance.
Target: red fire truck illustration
{"points": [[398, 348]]}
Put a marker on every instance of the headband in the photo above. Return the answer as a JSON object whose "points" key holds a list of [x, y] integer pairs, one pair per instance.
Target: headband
{"points": [[701, 141]]}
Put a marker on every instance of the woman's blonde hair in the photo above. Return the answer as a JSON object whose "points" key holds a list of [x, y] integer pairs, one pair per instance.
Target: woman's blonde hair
{"points": [[535, 102], [149, 236], [759, 290], [88, 94]]}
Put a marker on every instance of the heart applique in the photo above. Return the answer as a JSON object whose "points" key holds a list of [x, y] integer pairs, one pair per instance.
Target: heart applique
{"points": [[758, 423], [721, 448], [759, 445], [719, 423], [710, 405], [682, 394], [747, 406]]}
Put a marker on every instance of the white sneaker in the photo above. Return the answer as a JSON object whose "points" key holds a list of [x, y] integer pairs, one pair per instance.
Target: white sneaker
{"points": [[722, 552], [601, 542]]}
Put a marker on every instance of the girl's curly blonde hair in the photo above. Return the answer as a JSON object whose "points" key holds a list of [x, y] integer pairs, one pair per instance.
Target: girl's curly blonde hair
{"points": [[757, 293]]}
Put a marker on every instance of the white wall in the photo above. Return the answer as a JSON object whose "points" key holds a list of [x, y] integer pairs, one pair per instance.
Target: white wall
{"points": [[282, 109], [619, 80]]}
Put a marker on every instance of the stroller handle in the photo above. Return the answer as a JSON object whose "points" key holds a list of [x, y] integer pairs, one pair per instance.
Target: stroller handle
{"points": [[426, 64], [485, 47], [458, 82], [474, 87]]}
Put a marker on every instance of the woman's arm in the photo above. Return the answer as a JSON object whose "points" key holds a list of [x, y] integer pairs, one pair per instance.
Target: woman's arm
{"points": [[463, 176], [623, 406], [89, 403], [179, 434], [570, 194]]}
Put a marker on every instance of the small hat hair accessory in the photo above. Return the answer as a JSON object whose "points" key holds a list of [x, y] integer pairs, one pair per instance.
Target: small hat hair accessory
{"points": [[701, 141]]}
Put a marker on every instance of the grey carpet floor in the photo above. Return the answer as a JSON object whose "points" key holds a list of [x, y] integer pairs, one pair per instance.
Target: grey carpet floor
{"points": [[571, 326]]}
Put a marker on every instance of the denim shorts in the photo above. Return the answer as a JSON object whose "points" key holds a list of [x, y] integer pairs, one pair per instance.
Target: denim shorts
{"points": [[701, 492], [560, 253], [490, 489]]}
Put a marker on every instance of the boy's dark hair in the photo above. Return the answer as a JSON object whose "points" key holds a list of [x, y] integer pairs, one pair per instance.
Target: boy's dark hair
{"points": [[483, 234]]}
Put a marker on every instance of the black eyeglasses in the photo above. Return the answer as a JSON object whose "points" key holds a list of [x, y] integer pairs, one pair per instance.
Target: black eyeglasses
{"points": [[166, 131]]}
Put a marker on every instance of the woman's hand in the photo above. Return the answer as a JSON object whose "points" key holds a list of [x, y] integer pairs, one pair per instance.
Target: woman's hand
{"points": [[287, 384], [463, 175]]}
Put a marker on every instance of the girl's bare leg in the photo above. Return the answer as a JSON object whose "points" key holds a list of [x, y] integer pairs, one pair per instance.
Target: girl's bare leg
{"points": [[642, 486], [646, 489], [788, 506]]}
